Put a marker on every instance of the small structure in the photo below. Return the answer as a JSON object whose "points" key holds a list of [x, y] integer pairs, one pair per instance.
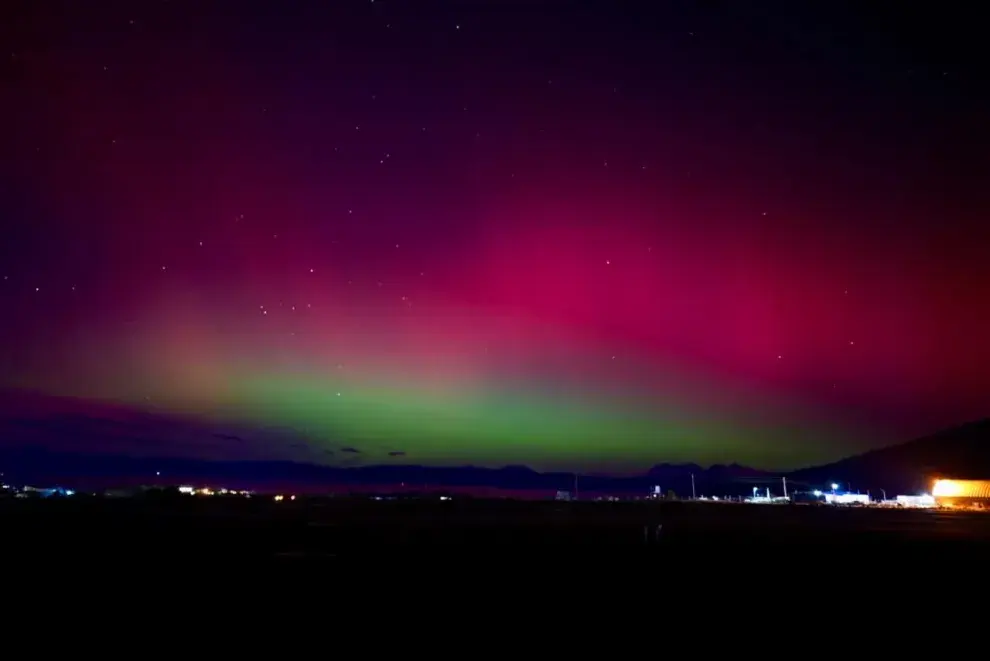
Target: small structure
{"points": [[922, 501], [847, 498]]}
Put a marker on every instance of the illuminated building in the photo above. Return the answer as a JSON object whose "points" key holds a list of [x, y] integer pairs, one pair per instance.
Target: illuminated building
{"points": [[847, 498], [924, 500], [962, 492]]}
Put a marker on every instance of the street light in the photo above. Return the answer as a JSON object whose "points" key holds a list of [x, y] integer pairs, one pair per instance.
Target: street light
{"points": [[834, 487]]}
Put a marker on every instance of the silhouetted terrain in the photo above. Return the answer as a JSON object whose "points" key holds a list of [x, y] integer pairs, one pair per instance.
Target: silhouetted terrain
{"points": [[99, 471], [75, 442], [962, 452], [46, 439]]}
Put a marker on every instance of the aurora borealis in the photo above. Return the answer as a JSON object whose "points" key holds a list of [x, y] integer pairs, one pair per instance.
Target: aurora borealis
{"points": [[446, 233]]}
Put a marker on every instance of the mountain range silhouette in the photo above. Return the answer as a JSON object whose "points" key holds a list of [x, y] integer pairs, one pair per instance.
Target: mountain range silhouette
{"points": [[82, 443]]}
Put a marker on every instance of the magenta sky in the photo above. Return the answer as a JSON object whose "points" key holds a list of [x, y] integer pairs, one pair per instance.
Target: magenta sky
{"points": [[547, 237]]}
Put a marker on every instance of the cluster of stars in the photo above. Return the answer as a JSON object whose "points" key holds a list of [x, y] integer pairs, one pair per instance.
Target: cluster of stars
{"points": [[376, 129]]}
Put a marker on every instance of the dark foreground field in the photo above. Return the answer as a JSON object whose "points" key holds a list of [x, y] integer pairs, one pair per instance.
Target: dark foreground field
{"points": [[257, 529]]}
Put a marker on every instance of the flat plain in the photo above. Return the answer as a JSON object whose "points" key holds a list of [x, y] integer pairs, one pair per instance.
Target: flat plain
{"points": [[259, 528]]}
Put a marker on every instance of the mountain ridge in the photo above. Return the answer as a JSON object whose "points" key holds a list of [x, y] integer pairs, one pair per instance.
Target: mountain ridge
{"points": [[961, 452], [101, 469], [40, 437]]}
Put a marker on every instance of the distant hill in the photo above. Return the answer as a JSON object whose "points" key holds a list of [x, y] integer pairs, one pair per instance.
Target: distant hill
{"points": [[39, 465], [961, 452], [78, 442]]}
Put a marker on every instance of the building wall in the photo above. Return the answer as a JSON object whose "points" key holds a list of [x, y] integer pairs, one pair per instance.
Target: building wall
{"points": [[962, 489], [847, 498], [963, 493], [978, 503], [915, 501]]}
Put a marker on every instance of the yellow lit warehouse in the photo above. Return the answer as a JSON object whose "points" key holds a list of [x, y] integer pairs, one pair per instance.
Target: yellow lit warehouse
{"points": [[961, 492]]}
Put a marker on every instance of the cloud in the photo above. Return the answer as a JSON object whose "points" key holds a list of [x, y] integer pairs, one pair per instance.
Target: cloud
{"points": [[77, 425], [396, 453], [85, 426]]}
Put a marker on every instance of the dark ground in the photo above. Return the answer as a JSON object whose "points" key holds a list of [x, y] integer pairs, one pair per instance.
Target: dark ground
{"points": [[260, 529]]}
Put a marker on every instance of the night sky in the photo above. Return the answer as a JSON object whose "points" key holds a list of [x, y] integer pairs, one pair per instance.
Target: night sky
{"points": [[592, 235]]}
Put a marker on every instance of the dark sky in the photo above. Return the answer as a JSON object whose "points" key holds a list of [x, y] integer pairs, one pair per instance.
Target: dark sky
{"points": [[590, 234]]}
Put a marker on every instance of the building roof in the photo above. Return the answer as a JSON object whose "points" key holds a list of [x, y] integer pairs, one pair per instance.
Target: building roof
{"points": [[961, 489]]}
